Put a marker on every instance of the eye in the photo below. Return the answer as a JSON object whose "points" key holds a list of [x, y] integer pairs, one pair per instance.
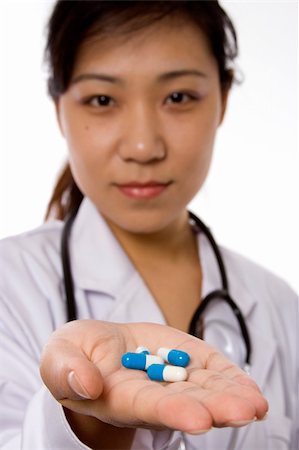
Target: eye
{"points": [[98, 101], [180, 98]]}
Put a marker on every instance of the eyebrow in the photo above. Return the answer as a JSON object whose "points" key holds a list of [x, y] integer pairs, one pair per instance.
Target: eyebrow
{"points": [[96, 76], [115, 80], [181, 73]]}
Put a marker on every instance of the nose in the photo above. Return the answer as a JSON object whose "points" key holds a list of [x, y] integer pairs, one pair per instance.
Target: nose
{"points": [[141, 138]]}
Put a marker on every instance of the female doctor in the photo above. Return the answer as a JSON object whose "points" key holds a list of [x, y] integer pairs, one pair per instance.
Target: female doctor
{"points": [[140, 89]]}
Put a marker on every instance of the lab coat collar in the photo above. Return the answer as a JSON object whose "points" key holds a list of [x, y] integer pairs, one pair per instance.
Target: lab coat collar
{"points": [[99, 263]]}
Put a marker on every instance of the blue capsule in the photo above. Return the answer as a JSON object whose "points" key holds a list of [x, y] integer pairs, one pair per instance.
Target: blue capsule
{"points": [[139, 361], [162, 372], [175, 357]]}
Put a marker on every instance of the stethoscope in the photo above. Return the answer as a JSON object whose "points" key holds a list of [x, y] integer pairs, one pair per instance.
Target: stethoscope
{"points": [[195, 327]]}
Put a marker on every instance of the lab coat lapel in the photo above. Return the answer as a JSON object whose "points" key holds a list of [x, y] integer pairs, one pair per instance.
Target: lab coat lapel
{"points": [[98, 261], [263, 347], [263, 354]]}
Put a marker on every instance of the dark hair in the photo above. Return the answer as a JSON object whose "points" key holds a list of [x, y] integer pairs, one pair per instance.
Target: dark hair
{"points": [[72, 22]]}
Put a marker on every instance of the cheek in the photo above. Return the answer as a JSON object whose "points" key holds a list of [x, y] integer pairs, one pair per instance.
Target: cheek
{"points": [[196, 167], [195, 134], [87, 145], [84, 154], [83, 134], [194, 148], [81, 140]]}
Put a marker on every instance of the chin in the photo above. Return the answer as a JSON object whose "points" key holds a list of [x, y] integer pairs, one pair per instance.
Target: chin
{"points": [[142, 222], [142, 226]]}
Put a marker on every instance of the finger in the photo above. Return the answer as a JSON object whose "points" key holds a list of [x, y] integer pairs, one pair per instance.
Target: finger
{"points": [[68, 373], [173, 410], [227, 399], [226, 408], [220, 374], [240, 383]]}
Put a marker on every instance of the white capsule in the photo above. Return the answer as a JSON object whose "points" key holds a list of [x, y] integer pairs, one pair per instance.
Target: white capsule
{"points": [[162, 372], [139, 361], [152, 359], [175, 373]]}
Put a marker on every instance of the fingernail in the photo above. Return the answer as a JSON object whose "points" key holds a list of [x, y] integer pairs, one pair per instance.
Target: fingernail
{"points": [[199, 431], [263, 418], [239, 423], [76, 386]]}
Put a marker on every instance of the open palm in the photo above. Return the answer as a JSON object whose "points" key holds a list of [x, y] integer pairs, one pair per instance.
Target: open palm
{"points": [[216, 393]]}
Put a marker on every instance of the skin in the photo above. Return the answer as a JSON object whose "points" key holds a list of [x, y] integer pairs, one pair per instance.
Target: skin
{"points": [[153, 125], [143, 133]]}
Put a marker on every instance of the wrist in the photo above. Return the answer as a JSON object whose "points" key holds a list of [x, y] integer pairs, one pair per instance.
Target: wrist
{"points": [[99, 435]]}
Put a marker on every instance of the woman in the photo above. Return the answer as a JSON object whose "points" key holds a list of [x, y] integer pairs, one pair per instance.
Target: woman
{"points": [[140, 89]]}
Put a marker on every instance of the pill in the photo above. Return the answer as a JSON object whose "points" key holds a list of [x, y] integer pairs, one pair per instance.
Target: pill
{"points": [[173, 356], [142, 350], [139, 361], [163, 372]]}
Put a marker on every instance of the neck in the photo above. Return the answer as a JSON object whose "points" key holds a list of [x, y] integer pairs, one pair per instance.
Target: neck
{"points": [[171, 243]]}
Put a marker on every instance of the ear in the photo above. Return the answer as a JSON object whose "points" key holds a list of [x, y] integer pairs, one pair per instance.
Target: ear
{"points": [[224, 99], [225, 90], [57, 106]]}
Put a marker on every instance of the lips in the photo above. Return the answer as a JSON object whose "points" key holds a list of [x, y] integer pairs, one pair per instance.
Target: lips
{"points": [[142, 191]]}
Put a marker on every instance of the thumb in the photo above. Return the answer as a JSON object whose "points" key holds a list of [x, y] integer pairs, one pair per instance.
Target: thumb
{"points": [[68, 373]]}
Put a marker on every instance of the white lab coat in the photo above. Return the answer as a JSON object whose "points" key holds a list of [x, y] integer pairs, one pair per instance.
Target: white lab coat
{"points": [[107, 287]]}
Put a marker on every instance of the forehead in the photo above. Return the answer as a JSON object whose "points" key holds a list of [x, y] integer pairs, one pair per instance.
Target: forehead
{"points": [[172, 41]]}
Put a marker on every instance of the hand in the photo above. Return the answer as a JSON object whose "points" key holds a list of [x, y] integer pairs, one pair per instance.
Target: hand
{"points": [[216, 393]]}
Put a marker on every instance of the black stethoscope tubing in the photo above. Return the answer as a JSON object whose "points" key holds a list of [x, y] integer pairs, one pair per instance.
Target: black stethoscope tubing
{"points": [[217, 294]]}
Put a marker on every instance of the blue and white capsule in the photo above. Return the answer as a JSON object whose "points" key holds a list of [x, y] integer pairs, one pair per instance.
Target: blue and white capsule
{"points": [[173, 356], [163, 372], [139, 361], [142, 350]]}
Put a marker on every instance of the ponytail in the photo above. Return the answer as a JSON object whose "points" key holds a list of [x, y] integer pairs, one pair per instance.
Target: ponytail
{"points": [[66, 196]]}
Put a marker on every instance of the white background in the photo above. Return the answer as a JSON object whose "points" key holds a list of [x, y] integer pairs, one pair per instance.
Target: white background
{"points": [[250, 199]]}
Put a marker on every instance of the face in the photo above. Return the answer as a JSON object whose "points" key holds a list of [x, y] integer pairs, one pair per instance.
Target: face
{"points": [[140, 118]]}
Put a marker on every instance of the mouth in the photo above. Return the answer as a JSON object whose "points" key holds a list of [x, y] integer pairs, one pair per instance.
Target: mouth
{"points": [[142, 191]]}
